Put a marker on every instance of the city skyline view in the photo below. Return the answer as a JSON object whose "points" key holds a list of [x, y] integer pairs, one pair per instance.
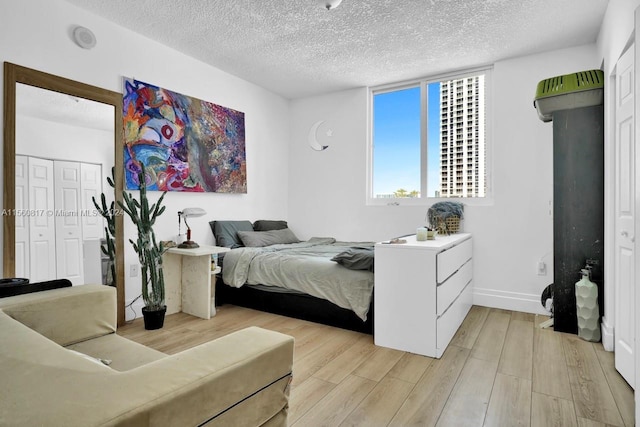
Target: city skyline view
{"points": [[454, 145]]}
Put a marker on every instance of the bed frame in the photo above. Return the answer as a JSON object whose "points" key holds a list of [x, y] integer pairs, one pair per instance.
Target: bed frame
{"points": [[300, 306]]}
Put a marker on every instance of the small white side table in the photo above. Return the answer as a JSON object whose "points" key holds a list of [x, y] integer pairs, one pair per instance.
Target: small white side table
{"points": [[188, 284]]}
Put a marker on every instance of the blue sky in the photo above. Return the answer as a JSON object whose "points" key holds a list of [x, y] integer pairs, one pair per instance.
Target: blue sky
{"points": [[396, 133]]}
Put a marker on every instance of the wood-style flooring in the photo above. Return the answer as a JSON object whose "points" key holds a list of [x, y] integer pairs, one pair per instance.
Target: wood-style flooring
{"points": [[499, 370]]}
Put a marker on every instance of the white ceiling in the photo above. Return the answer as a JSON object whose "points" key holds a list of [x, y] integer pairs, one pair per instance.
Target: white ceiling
{"points": [[296, 48], [58, 107]]}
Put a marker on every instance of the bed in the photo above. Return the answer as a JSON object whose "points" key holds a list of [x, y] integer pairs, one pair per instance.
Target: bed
{"points": [[322, 280]]}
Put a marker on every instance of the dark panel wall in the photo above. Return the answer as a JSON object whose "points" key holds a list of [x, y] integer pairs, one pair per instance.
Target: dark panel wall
{"points": [[578, 207]]}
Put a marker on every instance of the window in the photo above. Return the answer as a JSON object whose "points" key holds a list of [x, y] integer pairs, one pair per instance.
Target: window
{"points": [[428, 134]]}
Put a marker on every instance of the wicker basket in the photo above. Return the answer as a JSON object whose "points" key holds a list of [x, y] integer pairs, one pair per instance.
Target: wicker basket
{"points": [[450, 225]]}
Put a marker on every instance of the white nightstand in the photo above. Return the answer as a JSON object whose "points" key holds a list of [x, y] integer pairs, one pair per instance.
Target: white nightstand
{"points": [[188, 280]]}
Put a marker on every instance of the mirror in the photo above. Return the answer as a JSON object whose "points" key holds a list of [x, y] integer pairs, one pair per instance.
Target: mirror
{"points": [[64, 154], [19, 81]]}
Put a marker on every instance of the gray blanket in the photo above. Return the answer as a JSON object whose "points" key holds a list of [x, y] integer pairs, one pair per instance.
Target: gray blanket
{"points": [[305, 267]]}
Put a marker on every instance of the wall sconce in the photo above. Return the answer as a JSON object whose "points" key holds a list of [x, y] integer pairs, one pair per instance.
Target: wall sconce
{"points": [[184, 214], [329, 4]]}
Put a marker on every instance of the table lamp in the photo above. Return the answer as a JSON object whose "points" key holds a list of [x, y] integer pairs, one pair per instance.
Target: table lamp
{"points": [[189, 213]]}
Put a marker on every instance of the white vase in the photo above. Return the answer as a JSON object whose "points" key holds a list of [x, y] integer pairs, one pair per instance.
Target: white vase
{"points": [[587, 309]]}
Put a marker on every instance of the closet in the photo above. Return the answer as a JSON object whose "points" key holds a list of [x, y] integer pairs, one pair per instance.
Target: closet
{"points": [[58, 231]]}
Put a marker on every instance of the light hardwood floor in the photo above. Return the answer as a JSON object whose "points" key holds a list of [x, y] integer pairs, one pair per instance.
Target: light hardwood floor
{"points": [[499, 370]]}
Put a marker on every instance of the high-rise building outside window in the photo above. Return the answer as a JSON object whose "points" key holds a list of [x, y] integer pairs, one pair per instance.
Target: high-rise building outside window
{"points": [[429, 139]]}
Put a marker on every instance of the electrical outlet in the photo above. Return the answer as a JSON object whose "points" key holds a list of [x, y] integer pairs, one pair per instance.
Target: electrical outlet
{"points": [[133, 270], [542, 268]]}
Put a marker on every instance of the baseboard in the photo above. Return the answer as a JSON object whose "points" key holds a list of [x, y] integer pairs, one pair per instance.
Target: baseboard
{"points": [[607, 335], [515, 301], [133, 311]]}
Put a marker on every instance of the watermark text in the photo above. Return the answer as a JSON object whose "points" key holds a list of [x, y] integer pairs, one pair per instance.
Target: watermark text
{"points": [[58, 212]]}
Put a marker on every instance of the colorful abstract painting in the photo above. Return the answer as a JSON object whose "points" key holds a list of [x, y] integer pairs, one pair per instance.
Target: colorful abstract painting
{"points": [[185, 144]]}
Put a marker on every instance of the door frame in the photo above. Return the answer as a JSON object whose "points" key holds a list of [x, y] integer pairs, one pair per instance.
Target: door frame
{"points": [[637, 203], [607, 324]]}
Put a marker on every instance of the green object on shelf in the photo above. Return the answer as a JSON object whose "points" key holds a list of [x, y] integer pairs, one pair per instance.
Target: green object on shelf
{"points": [[574, 82], [575, 90]]}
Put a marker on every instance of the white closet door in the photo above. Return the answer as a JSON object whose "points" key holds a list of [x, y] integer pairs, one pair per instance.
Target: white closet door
{"points": [[624, 208], [91, 186], [69, 252], [22, 221], [42, 237]]}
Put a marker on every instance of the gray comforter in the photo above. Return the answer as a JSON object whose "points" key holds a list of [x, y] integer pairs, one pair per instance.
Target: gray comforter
{"points": [[305, 267]]}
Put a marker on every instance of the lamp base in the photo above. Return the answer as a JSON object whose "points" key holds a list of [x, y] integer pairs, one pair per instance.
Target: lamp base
{"points": [[188, 244]]}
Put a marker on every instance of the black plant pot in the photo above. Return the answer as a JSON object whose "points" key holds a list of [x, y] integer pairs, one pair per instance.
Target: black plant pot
{"points": [[153, 319]]}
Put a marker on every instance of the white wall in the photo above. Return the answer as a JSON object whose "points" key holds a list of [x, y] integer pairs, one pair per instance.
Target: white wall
{"points": [[327, 189], [59, 141], [617, 27], [36, 34]]}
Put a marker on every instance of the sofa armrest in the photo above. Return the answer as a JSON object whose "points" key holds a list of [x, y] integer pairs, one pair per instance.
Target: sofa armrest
{"points": [[240, 379], [209, 383], [67, 315]]}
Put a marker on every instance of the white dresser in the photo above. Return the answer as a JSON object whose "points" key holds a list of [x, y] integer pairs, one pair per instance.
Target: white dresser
{"points": [[422, 292]]}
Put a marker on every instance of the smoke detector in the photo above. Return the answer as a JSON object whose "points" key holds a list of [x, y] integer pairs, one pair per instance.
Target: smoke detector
{"points": [[84, 37]]}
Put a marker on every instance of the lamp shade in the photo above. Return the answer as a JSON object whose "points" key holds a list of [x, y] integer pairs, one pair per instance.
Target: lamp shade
{"points": [[189, 213], [193, 212]]}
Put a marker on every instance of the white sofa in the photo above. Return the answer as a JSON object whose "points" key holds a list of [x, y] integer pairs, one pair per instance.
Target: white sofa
{"points": [[241, 379]]}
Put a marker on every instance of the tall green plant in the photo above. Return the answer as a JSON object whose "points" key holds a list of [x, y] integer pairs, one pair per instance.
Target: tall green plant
{"points": [[148, 250], [109, 214]]}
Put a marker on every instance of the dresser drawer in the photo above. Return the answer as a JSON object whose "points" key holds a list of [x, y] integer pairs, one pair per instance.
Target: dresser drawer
{"points": [[448, 291], [448, 323], [447, 262]]}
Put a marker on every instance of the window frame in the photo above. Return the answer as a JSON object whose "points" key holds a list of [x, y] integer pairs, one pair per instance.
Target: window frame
{"points": [[423, 84]]}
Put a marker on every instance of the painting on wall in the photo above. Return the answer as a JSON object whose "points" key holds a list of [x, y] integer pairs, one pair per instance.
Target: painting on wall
{"points": [[186, 144]]}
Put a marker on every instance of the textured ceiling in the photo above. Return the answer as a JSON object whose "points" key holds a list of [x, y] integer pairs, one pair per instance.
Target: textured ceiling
{"points": [[296, 48]]}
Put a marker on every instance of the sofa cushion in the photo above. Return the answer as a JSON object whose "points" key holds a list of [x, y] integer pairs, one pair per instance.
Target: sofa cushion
{"points": [[24, 351], [66, 315], [100, 362], [123, 353]]}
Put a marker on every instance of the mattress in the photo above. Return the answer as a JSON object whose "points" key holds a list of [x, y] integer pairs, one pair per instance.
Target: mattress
{"points": [[304, 267]]}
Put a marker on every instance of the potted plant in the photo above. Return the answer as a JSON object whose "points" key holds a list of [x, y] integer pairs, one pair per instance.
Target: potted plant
{"points": [[149, 251], [445, 216], [109, 214]]}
